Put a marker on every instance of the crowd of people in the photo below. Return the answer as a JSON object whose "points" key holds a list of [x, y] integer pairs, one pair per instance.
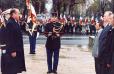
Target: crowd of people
{"points": [[74, 27]]}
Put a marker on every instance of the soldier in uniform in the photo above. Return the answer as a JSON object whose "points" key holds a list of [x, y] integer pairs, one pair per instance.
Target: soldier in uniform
{"points": [[53, 43], [33, 35], [2, 45], [2, 39], [2, 32]]}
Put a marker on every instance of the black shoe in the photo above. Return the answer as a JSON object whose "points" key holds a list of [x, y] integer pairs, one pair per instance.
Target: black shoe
{"points": [[32, 53], [49, 72]]}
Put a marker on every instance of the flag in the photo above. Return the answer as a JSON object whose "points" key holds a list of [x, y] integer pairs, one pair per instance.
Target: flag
{"points": [[81, 20], [27, 2], [31, 15], [86, 20], [92, 20], [31, 10], [65, 18]]}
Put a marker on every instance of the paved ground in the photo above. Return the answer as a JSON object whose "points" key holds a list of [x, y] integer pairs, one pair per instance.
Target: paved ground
{"points": [[75, 57], [73, 60]]}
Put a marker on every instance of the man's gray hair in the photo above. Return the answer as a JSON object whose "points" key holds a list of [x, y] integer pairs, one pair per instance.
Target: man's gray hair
{"points": [[108, 13]]}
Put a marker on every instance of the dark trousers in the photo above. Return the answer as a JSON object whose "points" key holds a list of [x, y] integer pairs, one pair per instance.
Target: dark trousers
{"points": [[52, 65], [32, 40], [7, 64], [8, 73], [97, 66], [105, 69], [101, 67], [112, 68]]}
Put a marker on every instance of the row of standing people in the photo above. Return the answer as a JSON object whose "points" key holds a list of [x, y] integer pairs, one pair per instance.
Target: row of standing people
{"points": [[75, 29], [103, 49], [79, 29]]}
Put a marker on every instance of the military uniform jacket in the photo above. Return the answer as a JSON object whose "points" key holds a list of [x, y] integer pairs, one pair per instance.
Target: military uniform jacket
{"points": [[52, 43]]}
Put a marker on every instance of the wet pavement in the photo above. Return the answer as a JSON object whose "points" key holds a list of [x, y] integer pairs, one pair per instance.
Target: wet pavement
{"points": [[75, 57], [73, 60]]}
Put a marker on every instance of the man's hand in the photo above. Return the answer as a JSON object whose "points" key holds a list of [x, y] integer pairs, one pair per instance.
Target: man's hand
{"points": [[58, 35], [108, 65], [13, 54], [50, 33]]}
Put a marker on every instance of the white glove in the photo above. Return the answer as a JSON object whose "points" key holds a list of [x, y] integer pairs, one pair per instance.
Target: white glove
{"points": [[37, 35]]}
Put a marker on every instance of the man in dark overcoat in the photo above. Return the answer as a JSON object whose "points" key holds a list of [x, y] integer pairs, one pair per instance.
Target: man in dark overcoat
{"points": [[13, 61], [102, 43], [110, 46]]}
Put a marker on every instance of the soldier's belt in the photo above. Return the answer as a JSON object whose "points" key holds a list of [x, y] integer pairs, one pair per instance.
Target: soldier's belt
{"points": [[53, 33], [31, 30], [3, 48], [3, 45]]}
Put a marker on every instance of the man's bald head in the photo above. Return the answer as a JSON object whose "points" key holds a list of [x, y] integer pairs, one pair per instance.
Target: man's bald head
{"points": [[108, 13], [14, 13]]}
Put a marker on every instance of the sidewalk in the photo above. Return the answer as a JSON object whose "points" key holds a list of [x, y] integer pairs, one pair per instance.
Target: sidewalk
{"points": [[73, 60]]}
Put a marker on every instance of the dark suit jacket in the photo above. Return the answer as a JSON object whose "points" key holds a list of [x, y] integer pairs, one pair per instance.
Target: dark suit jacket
{"points": [[111, 53], [110, 47], [52, 43], [107, 53], [102, 42], [109, 50]]}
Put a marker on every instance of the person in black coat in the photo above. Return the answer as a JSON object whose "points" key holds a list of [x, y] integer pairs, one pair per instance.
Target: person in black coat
{"points": [[13, 60], [78, 28], [92, 29], [111, 60], [32, 38], [110, 47], [103, 42], [53, 45], [66, 28], [71, 26]]}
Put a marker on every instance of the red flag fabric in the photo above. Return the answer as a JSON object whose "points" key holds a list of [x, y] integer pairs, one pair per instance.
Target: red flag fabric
{"points": [[31, 11], [27, 2]]}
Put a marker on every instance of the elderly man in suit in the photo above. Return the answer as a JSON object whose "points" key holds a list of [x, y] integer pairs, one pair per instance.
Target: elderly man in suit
{"points": [[111, 60], [13, 61], [95, 52], [110, 46], [102, 41]]}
